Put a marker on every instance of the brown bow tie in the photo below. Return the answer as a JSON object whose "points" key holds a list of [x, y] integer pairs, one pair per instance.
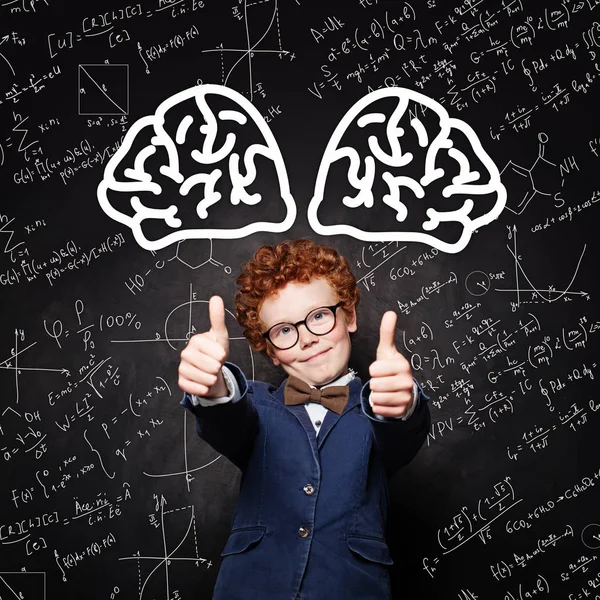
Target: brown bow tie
{"points": [[333, 397]]}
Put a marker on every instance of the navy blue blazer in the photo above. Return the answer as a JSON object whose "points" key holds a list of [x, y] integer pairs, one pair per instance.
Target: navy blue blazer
{"points": [[312, 510]]}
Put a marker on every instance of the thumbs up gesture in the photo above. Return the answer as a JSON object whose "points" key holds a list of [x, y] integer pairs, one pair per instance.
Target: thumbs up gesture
{"points": [[391, 376], [201, 360]]}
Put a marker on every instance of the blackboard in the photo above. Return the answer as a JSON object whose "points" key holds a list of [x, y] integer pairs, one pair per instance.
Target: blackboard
{"points": [[107, 493]]}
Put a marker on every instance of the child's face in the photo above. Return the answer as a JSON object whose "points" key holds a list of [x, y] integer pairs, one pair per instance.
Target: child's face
{"points": [[316, 359]]}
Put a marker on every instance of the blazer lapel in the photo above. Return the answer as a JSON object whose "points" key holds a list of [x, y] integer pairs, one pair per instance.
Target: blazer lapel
{"points": [[332, 418], [299, 411]]}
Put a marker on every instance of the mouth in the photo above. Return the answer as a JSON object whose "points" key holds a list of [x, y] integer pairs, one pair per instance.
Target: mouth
{"points": [[315, 356]]}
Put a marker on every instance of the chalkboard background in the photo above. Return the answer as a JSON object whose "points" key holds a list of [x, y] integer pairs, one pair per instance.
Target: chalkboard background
{"points": [[107, 492]]}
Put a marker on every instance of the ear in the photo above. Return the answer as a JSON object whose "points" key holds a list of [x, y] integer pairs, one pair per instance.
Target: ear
{"points": [[271, 354], [351, 320]]}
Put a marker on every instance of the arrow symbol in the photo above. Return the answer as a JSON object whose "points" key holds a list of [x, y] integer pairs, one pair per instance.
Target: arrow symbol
{"points": [[5, 38]]}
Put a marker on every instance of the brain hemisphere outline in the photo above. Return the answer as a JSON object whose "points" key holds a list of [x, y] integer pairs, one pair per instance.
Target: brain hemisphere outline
{"points": [[137, 186], [138, 183], [436, 145]]}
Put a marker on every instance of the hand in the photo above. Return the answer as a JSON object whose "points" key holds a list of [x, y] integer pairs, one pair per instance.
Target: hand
{"points": [[391, 376], [201, 360]]}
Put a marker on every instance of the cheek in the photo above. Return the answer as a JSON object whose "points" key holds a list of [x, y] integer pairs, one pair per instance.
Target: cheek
{"points": [[341, 333], [340, 337], [282, 357]]}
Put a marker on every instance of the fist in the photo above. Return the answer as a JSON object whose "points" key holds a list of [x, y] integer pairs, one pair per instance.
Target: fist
{"points": [[391, 376], [201, 360]]}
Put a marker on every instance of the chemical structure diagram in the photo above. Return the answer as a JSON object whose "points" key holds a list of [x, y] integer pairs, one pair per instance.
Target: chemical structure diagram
{"points": [[543, 178], [194, 254], [188, 253]]}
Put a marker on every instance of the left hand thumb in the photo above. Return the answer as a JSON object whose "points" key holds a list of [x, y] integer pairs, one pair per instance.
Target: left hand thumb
{"points": [[386, 348]]}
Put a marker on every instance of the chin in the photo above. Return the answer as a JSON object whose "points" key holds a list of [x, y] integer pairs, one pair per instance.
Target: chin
{"points": [[323, 377]]}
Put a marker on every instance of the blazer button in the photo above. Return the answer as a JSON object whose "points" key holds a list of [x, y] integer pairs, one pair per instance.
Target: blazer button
{"points": [[309, 489], [303, 532]]}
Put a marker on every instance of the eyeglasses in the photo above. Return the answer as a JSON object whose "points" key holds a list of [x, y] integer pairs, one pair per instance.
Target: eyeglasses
{"points": [[318, 321]]}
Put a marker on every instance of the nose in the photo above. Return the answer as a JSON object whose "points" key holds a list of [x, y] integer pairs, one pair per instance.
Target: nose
{"points": [[305, 337]]}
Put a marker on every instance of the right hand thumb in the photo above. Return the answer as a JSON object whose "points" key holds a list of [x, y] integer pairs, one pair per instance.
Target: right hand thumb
{"points": [[216, 315]]}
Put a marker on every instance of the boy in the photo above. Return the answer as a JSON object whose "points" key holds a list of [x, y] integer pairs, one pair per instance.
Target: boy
{"points": [[317, 451]]}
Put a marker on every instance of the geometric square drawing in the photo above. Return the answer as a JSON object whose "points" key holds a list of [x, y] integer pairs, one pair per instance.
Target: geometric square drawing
{"points": [[26, 585], [103, 89]]}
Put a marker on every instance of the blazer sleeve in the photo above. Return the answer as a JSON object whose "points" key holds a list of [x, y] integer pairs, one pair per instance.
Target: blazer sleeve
{"points": [[397, 440], [230, 428]]}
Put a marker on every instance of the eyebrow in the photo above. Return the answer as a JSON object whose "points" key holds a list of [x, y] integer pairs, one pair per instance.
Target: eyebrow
{"points": [[267, 327]]}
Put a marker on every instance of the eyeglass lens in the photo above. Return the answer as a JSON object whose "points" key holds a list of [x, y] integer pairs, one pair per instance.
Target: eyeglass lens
{"points": [[320, 321]]}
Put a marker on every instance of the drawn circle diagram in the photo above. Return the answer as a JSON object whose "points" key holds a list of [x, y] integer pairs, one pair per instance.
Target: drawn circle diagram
{"points": [[181, 323], [590, 536], [477, 283], [185, 320]]}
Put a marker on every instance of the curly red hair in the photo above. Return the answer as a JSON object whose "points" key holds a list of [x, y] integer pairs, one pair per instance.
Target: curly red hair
{"points": [[272, 267]]}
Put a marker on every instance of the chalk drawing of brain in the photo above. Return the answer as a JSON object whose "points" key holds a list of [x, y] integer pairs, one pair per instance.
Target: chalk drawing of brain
{"points": [[190, 171], [424, 174]]}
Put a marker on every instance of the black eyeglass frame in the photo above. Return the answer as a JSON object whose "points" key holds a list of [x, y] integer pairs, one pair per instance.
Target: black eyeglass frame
{"points": [[333, 309]]}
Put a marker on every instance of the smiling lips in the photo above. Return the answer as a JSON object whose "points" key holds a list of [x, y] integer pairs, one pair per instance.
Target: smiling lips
{"points": [[316, 355]]}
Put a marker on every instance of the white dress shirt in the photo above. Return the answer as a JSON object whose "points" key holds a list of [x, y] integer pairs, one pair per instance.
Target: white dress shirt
{"points": [[315, 411]]}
